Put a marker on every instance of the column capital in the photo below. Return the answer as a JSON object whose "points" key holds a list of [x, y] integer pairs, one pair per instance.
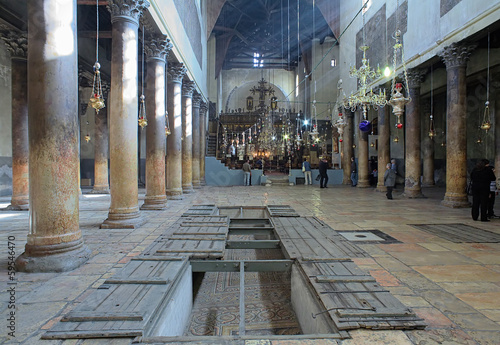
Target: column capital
{"points": [[127, 9], [176, 72], [187, 88], [203, 108], [456, 55], [16, 42], [157, 47], [415, 77], [196, 99]]}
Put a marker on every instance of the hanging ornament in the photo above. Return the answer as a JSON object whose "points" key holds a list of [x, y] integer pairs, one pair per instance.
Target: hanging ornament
{"points": [[396, 139], [97, 100], [167, 126], [486, 123], [432, 129], [87, 137], [143, 121], [365, 126]]}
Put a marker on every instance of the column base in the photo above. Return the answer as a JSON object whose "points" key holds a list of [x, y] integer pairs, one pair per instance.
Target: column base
{"points": [[12, 207], [100, 190], [363, 184], [428, 184], [411, 194], [203, 182], [123, 221], [53, 258], [187, 189], [381, 188], [157, 203], [175, 194], [455, 200], [196, 184]]}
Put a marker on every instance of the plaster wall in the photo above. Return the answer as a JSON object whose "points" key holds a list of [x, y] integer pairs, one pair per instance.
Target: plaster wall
{"points": [[166, 16], [244, 79]]}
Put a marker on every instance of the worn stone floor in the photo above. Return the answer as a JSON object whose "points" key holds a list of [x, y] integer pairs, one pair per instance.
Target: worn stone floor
{"points": [[455, 287]]}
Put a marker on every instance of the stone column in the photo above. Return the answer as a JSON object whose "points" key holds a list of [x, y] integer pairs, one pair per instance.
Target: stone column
{"points": [[17, 45], [101, 147], [347, 148], [187, 136], [384, 148], [203, 140], [427, 149], [55, 241], [124, 209], [156, 51], [176, 72], [196, 140], [455, 57], [363, 169], [413, 169]]}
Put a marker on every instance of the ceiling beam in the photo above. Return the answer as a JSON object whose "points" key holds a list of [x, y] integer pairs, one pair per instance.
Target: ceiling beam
{"points": [[92, 2], [92, 34]]}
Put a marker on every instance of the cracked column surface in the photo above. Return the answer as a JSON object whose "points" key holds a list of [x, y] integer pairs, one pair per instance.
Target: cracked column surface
{"points": [[196, 140], [124, 208], [187, 136], [54, 241]]}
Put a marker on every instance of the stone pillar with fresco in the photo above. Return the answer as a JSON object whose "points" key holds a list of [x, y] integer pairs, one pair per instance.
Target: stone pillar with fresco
{"points": [[384, 148], [187, 136], [196, 140], [54, 242], [176, 72], [123, 109], [456, 56], [156, 49], [17, 45], [413, 160]]}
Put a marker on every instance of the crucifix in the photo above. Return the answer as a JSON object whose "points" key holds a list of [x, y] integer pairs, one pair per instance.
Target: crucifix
{"points": [[263, 92]]}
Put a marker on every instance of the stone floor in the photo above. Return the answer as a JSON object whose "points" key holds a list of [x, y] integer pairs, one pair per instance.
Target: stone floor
{"points": [[455, 287]]}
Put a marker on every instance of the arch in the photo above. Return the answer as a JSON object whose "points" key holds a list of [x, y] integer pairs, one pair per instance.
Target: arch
{"points": [[248, 85]]}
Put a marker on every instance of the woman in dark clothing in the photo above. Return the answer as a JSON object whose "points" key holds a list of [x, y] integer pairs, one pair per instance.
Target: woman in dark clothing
{"points": [[481, 177], [323, 172]]}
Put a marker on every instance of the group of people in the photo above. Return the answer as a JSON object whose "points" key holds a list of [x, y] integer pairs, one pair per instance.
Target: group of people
{"points": [[323, 172], [483, 190]]}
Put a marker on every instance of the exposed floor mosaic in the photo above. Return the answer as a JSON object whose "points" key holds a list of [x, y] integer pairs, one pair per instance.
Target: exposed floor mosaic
{"points": [[368, 236]]}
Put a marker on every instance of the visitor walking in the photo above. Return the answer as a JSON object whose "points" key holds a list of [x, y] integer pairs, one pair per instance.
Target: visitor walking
{"points": [[491, 200], [306, 169], [247, 172], [354, 172], [323, 173], [389, 180], [481, 177]]}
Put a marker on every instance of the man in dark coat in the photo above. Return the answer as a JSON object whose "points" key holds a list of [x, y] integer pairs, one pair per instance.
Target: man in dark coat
{"points": [[481, 177], [323, 173]]}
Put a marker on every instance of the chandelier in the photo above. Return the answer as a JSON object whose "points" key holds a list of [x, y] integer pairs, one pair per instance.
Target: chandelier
{"points": [[365, 96]]}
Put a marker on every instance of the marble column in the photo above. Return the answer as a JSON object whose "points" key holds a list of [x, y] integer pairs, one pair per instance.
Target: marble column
{"points": [[17, 45], [384, 147], [497, 138], [203, 140], [101, 147], [413, 161], [363, 168], [187, 136], [196, 140], [54, 241], [347, 149], [156, 51], [427, 148], [455, 56], [123, 106], [176, 72]]}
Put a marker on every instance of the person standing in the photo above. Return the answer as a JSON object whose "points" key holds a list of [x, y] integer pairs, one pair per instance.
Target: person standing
{"points": [[389, 180], [481, 177], [491, 200], [354, 172], [247, 172], [306, 168], [323, 173]]}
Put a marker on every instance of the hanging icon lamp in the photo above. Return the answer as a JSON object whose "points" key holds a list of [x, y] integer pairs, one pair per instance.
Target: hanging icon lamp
{"points": [[486, 122], [167, 126], [432, 128], [97, 100], [143, 121]]}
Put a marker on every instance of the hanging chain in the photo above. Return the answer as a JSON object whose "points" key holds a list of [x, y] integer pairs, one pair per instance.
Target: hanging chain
{"points": [[143, 54], [488, 73], [97, 33]]}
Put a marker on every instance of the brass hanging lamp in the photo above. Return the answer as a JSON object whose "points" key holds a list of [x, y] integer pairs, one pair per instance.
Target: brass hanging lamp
{"points": [[97, 99], [432, 128], [486, 123], [143, 121]]}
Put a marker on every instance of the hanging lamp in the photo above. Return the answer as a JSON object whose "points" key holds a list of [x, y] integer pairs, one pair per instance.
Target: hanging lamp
{"points": [[143, 121], [96, 100], [486, 123], [399, 99], [167, 126], [432, 129]]}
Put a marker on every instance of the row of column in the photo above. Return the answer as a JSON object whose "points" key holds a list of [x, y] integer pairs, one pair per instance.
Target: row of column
{"points": [[455, 57], [47, 183]]}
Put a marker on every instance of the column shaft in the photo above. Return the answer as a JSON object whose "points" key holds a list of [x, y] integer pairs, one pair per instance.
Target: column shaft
{"points": [[196, 141], [384, 139], [187, 136], [456, 57], [124, 208], [174, 140], [101, 151], [413, 161], [203, 141], [347, 149], [363, 169], [427, 149], [55, 241]]}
